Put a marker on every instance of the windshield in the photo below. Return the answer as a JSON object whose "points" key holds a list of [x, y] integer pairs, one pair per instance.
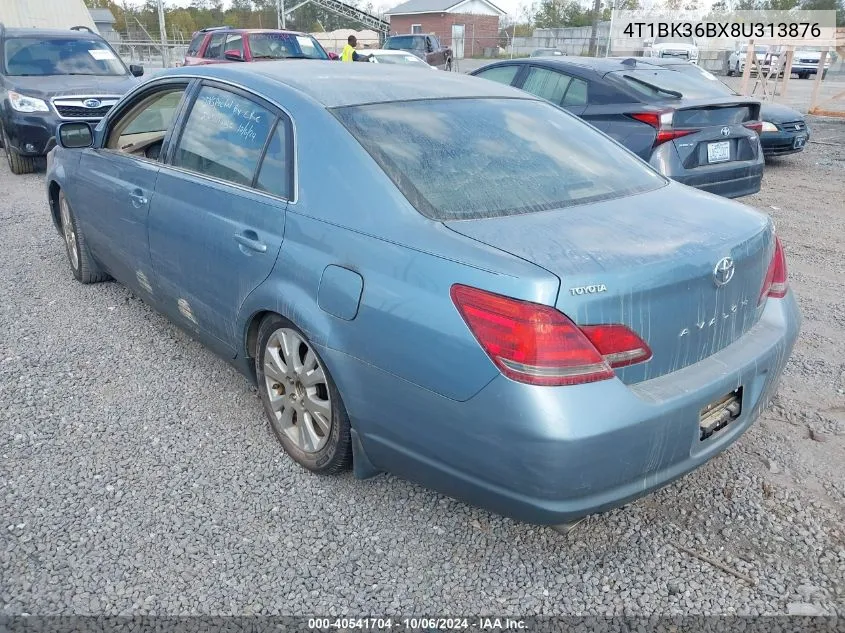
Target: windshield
{"points": [[285, 45], [399, 59], [663, 83], [36, 56], [457, 159], [674, 40], [404, 43]]}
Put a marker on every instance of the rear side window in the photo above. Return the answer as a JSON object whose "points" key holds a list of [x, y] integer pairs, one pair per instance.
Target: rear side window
{"points": [[576, 94], [502, 74], [215, 46], [224, 136], [195, 45], [546, 84], [457, 159], [276, 174]]}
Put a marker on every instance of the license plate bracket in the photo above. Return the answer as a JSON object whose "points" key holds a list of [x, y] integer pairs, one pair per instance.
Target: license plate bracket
{"points": [[719, 414], [719, 152]]}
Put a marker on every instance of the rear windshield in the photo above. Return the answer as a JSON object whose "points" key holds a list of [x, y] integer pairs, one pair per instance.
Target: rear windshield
{"points": [[404, 43], [699, 74], [36, 56], [458, 159], [285, 46], [663, 83]]}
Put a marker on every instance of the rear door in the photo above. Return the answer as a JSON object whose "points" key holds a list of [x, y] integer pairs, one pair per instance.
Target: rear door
{"points": [[218, 216]]}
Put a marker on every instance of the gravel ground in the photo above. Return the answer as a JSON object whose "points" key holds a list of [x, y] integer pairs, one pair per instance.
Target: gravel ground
{"points": [[138, 475]]}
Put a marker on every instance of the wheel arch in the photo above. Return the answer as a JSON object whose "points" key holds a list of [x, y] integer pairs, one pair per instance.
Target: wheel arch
{"points": [[53, 190]]}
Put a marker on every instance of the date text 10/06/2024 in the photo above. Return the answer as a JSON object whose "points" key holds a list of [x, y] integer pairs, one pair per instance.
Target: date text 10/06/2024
{"points": [[416, 624]]}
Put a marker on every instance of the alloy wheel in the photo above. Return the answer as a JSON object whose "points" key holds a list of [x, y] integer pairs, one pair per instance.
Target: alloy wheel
{"points": [[69, 233], [298, 390]]}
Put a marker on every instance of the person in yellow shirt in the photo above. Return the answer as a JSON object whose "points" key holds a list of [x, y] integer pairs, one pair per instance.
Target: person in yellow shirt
{"points": [[349, 53]]}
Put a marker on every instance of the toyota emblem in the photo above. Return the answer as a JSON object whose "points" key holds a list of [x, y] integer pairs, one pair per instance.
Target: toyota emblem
{"points": [[726, 131], [724, 271], [91, 103]]}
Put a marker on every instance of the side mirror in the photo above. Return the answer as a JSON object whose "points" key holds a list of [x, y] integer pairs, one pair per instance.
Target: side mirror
{"points": [[235, 56], [75, 135], [136, 70]]}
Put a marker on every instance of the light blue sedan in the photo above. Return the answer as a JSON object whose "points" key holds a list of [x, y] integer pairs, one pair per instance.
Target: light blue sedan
{"points": [[449, 280]]}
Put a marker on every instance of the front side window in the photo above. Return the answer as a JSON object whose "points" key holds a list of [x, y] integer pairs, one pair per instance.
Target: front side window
{"points": [[273, 45], [141, 130], [235, 43], [224, 136], [501, 74], [215, 46], [34, 56], [456, 159]]}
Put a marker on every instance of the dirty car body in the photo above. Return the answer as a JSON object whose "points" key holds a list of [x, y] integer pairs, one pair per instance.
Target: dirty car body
{"points": [[543, 326]]}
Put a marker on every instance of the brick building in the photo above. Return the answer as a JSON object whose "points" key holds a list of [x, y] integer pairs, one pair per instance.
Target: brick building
{"points": [[467, 26]]}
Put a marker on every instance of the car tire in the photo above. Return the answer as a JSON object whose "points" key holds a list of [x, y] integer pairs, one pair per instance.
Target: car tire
{"points": [[300, 398], [17, 164], [84, 267]]}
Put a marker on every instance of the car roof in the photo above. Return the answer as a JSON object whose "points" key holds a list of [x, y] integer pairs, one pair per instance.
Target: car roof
{"points": [[237, 30], [50, 33], [600, 65], [334, 84]]}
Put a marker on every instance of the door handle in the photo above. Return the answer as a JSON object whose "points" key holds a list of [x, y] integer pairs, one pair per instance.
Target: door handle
{"points": [[138, 198], [249, 239]]}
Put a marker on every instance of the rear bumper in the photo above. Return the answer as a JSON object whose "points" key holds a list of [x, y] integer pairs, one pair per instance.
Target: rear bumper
{"points": [[549, 455], [725, 180]]}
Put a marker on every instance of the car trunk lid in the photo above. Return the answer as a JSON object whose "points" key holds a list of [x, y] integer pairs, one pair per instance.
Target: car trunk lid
{"points": [[650, 262]]}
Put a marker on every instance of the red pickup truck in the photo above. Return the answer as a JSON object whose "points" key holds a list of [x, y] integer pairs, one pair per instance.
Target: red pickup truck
{"points": [[426, 47]]}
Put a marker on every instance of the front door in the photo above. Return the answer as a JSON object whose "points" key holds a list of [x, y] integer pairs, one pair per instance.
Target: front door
{"points": [[458, 41], [218, 215], [119, 179]]}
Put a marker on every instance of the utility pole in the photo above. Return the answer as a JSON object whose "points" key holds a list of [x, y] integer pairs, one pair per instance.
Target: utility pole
{"points": [[596, 9], [163, 33], [610, 32], [280, 13]]}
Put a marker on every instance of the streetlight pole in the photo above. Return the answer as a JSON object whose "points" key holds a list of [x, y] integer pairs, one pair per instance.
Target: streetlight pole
{"points": [[163, 33]]}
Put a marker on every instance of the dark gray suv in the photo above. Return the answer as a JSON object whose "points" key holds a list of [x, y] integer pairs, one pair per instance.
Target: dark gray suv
{"points": [[51, 76], [687, 130]]}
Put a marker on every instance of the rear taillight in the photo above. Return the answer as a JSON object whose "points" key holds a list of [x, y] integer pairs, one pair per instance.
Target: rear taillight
{"points": [[662, 122], [776, 282], [538, 345], [757, 126]]}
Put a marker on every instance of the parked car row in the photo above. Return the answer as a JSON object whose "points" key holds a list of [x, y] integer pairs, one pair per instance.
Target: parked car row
{"points": [[676, 116]]}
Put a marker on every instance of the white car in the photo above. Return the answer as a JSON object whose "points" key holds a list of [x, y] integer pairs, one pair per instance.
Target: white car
{"points": [[676, 47], [736, 62], [404, 58]]}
